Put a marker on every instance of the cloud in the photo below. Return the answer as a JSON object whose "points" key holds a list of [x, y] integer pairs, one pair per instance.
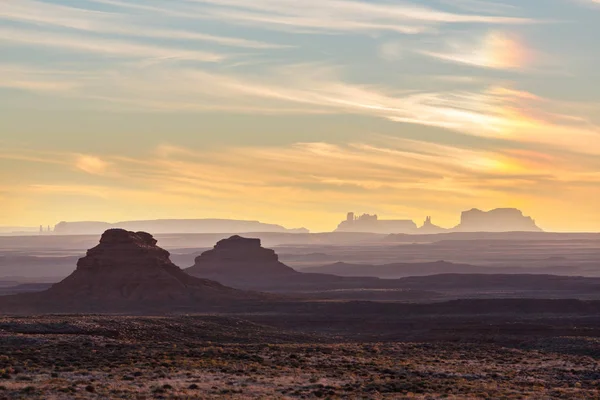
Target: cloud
{"points": [[113, 48], [91, 164], [385, 164], [481, 6], [593, 3], [317, 180], [497, 112], [324, 16], [54, 15], [70, 190], [34, 80], [496, 50], [32, 156], [390, 51]]}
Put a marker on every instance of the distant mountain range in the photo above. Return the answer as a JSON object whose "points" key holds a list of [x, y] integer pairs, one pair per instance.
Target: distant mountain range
{"points": [[162, 226], [498, 220]]}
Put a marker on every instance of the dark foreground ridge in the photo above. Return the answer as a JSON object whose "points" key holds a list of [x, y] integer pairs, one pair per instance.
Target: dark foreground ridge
{"points": [[127, 271], [116, 357]]}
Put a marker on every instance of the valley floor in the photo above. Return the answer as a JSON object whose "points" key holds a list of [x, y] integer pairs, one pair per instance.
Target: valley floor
{"points": [[111, 357]]}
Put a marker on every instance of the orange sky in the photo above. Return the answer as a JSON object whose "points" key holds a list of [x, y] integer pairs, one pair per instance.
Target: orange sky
{"points": [[296, 114]]}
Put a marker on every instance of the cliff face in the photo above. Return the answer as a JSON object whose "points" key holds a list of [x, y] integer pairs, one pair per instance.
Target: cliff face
{"points": [[498, 220], [128, 271]]}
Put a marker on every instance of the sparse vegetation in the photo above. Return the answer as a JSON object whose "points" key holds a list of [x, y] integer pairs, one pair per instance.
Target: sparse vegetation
{"points": [[170, 358]]}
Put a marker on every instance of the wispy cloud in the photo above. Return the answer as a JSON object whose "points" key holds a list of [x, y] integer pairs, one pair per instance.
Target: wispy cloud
{"points": [[405, 176], [325, 16], [91, 164], [482, 6], [54, 15], [114, 48], [35, 80], [496, 112], [497, 50]]}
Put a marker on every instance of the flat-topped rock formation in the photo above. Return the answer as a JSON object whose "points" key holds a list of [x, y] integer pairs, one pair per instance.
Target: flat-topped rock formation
{"points": [[244, 264], [173, 226], [128, 271], [372, 223], [498, 220], [240, 261]]}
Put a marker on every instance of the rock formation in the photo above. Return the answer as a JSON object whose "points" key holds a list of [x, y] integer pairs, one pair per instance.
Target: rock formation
{"points": [[128, 271], [240, 260], [164, 226], [372, 224], [243, 263], [498, 220], [429, 228]]}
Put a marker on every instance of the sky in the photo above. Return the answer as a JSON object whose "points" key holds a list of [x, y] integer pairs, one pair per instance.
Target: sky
{"points": [[296, 112]]}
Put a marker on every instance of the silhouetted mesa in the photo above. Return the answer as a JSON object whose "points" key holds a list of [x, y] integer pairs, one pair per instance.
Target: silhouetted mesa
{"points": [[240, 261], [498, 220], [372, 223], [128, 271], [174, 226], [244, 264]]}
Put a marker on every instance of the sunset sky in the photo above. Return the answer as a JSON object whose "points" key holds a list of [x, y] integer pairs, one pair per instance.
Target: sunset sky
{"points": [[296, 112]]}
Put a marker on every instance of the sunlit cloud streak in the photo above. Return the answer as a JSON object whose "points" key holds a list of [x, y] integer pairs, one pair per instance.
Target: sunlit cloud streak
{"points": [[497, 50], [91, 164], [49, 14], [324, 16], [390, 168], [107, 47], [497, 112]]}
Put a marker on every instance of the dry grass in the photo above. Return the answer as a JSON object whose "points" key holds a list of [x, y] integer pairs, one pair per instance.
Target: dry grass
{"points": [[36, 361]]}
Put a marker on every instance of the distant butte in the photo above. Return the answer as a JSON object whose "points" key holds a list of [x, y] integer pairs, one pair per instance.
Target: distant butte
{"points": [[166, 226], [244, 264], [498, 220], [241, 262], [372, 223]]}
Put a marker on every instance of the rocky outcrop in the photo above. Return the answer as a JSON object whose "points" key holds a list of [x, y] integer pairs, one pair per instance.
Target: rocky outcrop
{"points": [[498, 220], [128, 271], [244, 264], [429, 228], [372, 224], [240, 261]]}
